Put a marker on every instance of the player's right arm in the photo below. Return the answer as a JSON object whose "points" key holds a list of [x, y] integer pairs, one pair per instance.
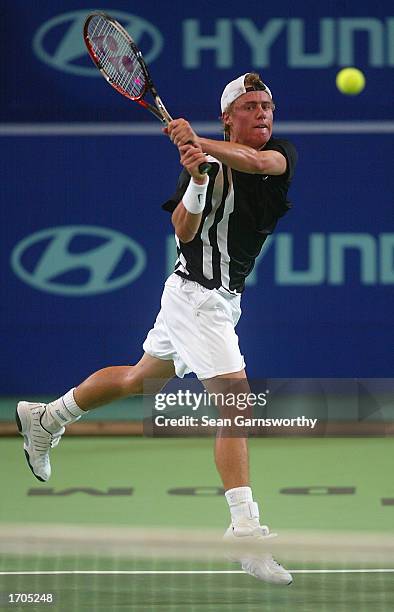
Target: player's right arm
{"points": [[238, 156], [186, 218]]}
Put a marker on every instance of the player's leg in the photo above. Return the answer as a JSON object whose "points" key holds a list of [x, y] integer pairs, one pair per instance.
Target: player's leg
{"points": [[200, 326], [109, 384], [232, 462], [231, 451], [42, 425]]}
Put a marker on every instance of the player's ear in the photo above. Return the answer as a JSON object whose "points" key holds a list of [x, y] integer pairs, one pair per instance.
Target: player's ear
{"points": [[226, 118]]}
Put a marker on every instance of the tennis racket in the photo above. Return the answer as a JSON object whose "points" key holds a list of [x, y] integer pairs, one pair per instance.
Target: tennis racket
{"points": [[121, 63]]}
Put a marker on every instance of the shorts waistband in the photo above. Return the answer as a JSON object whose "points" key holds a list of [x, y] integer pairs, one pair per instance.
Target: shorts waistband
{"points": [[175, 279]]}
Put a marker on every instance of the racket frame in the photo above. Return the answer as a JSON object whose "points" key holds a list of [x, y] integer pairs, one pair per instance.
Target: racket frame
{"points": [[159, 110]]}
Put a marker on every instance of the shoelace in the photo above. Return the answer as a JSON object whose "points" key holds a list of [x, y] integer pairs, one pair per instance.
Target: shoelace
{"points": [[264, 532], [52, 438]]}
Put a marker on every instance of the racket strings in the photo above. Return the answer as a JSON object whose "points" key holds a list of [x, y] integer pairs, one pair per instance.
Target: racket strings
{"points": [[116, 56]]}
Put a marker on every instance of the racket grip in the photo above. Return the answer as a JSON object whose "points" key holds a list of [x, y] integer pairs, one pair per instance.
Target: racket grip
{"points": [[204, 168]]}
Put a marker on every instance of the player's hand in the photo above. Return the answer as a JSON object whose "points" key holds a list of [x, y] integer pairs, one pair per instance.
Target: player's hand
{"points": [[181, 132], [191, 157]]}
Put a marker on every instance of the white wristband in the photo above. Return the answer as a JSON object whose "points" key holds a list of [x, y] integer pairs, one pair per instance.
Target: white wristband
{"points": [[194, 198]]}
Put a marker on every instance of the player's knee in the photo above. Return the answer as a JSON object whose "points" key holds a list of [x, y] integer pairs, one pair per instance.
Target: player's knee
{"points": [[133, 383]]}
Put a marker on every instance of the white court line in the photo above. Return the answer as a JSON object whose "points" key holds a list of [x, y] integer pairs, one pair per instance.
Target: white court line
{"points": [[207, 127], [147, 572]]}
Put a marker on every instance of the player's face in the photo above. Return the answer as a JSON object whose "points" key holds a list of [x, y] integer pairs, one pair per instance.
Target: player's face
{"points": [[250, 119]]}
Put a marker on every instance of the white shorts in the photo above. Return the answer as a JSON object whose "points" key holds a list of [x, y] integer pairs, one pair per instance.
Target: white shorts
{"points": [[195, 329]]}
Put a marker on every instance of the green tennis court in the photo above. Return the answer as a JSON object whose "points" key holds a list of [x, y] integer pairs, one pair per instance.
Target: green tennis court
{"points": [[335, 495]]}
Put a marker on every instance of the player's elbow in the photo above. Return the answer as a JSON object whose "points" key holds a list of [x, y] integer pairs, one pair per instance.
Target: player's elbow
{"points": [[274, 163], [184, 235]]}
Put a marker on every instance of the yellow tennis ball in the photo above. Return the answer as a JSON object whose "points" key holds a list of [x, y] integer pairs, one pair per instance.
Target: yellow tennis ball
{"points": [[350, 81]]}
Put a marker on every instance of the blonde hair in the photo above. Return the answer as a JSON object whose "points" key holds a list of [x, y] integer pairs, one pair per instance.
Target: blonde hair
{"points": [[252, 79]]}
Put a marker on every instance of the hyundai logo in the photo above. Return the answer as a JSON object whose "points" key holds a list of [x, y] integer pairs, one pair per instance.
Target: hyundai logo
{"points": [[78, 260], [59, 41]]}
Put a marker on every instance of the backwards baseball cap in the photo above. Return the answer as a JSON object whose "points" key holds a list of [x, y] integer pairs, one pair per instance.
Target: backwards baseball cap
{"points": [[236, 88]]}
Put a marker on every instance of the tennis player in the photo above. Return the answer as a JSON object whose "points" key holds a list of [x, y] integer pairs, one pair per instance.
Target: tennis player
{"points": [[221, 222]]}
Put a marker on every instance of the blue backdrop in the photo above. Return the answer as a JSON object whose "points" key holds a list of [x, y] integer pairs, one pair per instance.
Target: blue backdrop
{"points": [[85, 246]]}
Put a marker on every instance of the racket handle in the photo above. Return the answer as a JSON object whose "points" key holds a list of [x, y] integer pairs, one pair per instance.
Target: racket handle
{"points": [[204, 168]]}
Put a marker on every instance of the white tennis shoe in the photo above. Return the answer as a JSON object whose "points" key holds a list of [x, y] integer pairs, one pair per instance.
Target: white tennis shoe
{"points": [[260, 565], [37, 440]]}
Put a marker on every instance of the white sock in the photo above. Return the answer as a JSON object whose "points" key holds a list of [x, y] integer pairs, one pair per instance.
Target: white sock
{"points": [[61, 412], [244, 511]]}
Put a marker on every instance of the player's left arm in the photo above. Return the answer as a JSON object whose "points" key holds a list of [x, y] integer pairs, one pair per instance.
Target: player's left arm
{"points": [[238, 156], [186, 217]]}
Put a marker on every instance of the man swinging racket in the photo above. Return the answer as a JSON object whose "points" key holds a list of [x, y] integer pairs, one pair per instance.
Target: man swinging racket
{"points": [[221, 221]]}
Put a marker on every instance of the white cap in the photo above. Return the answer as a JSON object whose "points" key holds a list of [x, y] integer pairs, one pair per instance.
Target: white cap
{"points": [[236, 88]]}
